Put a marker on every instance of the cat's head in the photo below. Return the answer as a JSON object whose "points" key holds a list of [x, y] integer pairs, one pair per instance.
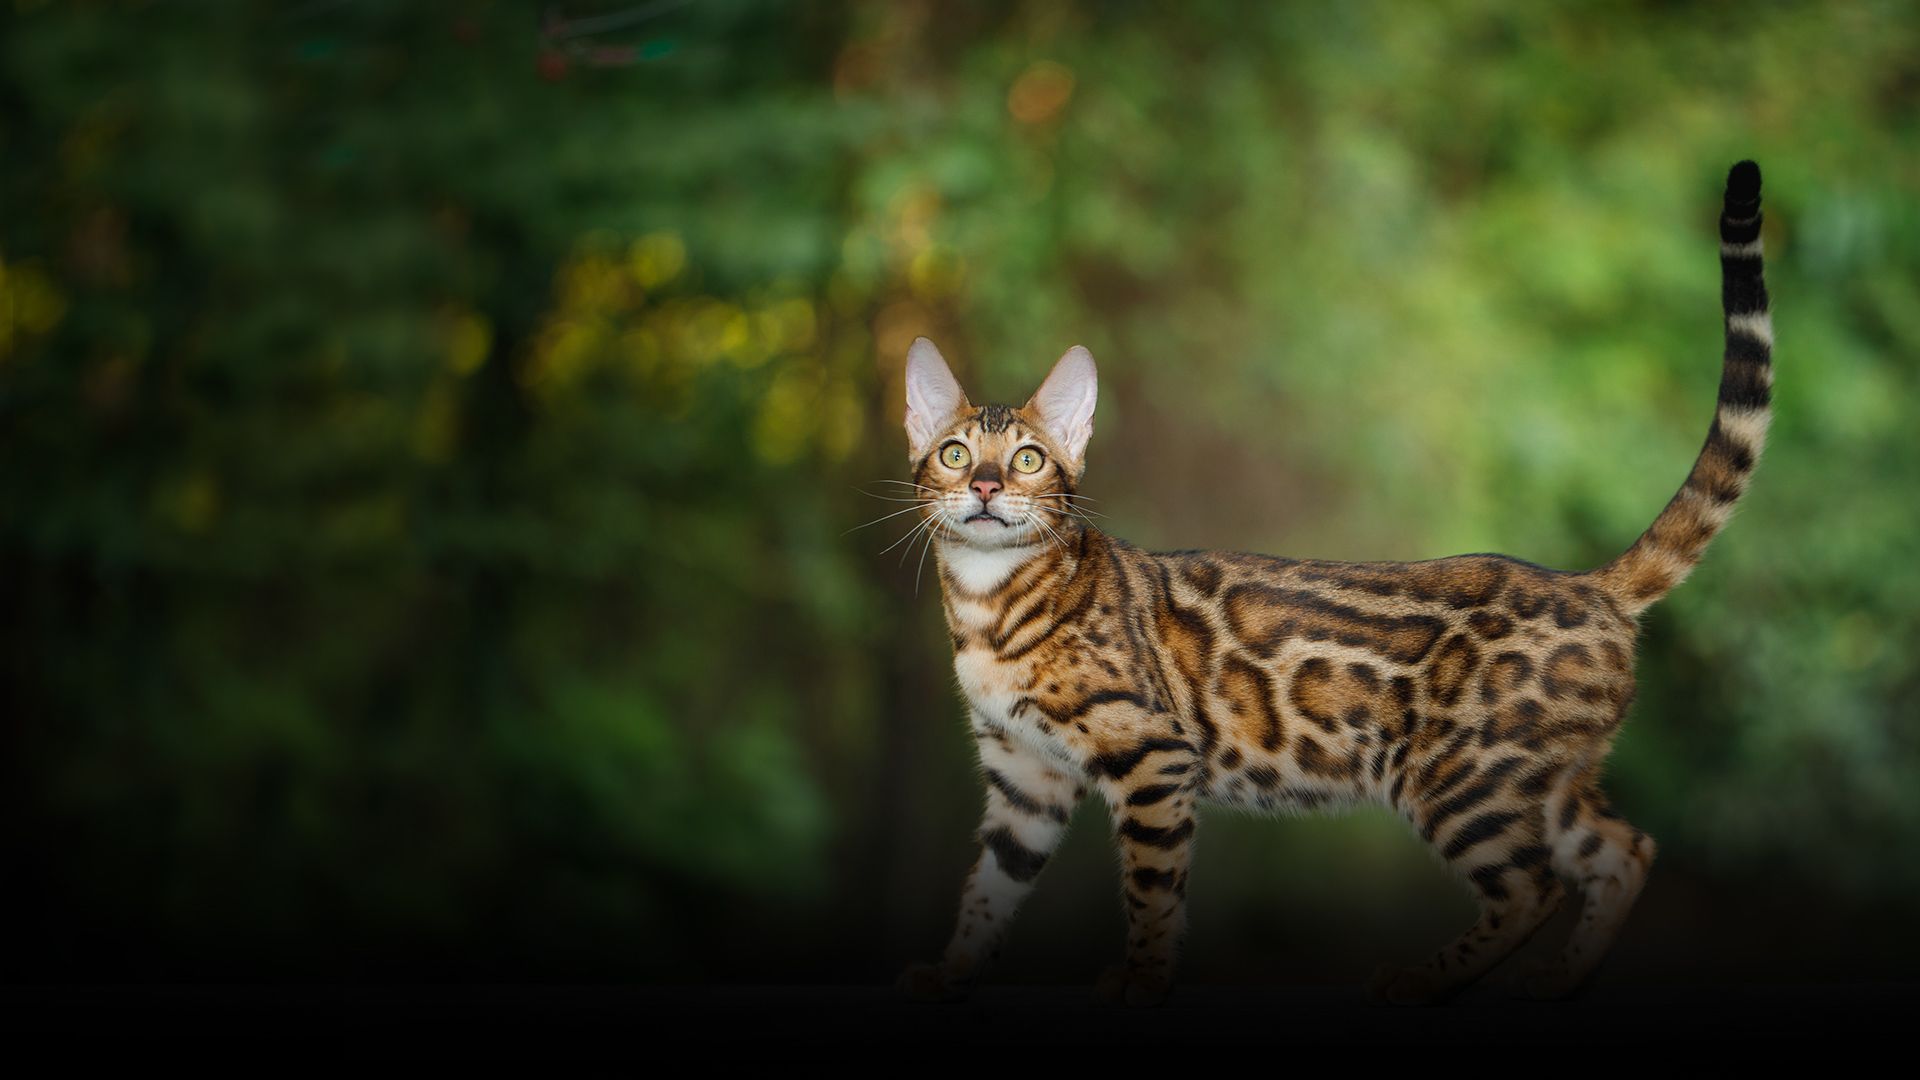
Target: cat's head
{"points": [[998, 476]]}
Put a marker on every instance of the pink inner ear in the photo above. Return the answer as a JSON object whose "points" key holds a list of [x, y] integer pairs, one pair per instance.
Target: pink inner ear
{"points": [[933, 394], [1065, 402]]}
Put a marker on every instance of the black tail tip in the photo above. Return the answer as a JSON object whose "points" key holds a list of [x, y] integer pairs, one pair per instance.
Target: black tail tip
{"points": [[1743, 185]]}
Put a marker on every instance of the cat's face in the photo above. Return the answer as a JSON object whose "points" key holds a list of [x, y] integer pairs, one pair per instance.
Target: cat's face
{"points": [[998, 476]]}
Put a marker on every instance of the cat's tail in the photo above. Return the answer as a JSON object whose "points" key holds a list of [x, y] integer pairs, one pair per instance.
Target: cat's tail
{"points": [[1673, 544]]}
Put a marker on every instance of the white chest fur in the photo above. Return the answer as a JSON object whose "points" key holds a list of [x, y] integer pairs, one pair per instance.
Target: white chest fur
{"points": [[974, 575], [997, 692], [993, 687], [982, 570]]}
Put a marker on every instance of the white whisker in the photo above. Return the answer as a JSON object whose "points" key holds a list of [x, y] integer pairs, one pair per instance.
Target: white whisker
{"points": [[1067, 514], [927, 523], [1058, 541], [886, 517], [924, 548], [1072, 501]]}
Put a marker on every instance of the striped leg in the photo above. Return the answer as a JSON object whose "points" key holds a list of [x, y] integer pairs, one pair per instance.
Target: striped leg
{"points": [[1496, 840], [1028, 804], [1153, 818], [1608, 859]]}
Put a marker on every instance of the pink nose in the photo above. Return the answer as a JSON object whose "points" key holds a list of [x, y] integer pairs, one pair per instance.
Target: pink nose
{"points": [[985, 489]]}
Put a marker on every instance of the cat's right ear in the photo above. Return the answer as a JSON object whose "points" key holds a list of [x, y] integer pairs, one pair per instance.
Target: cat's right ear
{"points": [[934, 396], [1065, 403]]}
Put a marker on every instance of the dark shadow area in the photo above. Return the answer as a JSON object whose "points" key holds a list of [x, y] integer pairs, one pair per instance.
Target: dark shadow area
{"points": [[563, 1022]]}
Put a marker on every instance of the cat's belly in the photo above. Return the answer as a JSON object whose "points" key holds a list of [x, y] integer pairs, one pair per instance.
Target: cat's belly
{"points": [[1279, 786], [1271, 755]]}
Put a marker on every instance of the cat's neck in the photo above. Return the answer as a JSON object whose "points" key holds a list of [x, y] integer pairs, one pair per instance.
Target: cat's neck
{"points": [[979, 573]]}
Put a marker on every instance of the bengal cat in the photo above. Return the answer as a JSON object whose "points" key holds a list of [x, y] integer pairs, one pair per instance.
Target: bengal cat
{"points": [[1476, 695]]}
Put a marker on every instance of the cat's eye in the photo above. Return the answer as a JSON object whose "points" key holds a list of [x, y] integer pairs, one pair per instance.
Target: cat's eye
{"points": [[955, 456], [1028, 460]]}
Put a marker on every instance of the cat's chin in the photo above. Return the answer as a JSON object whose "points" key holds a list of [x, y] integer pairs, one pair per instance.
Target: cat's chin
{"points": [[992, 533]]}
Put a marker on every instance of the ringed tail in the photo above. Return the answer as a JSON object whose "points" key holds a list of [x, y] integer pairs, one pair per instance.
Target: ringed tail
{"points": [[1671, 547]]}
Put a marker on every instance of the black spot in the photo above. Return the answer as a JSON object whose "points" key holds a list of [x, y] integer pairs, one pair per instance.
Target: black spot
{"points": [[1530, 855], [1153, 835], [1537, 782], [1118, 765], [1151, 794], [1022, 801], [1738, 454], [1017, 860], [1148, 879], [1104, 697], [1487, 879], [1568, 612]]}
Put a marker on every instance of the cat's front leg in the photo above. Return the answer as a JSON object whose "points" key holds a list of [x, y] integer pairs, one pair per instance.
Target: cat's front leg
{"points": [[1028, 804], [1153, 817]]}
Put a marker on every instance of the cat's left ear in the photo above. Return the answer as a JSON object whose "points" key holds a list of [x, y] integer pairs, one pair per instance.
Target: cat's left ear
{"points": [[1064, 403], [933, 396]]}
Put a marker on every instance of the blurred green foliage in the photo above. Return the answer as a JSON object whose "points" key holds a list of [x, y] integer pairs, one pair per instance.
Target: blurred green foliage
{"points": [[429, 433]]}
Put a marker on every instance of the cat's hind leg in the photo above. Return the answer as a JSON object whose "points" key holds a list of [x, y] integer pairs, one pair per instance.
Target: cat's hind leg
{"points": [[1608, 859], [1496, 839], [1153, 819]]}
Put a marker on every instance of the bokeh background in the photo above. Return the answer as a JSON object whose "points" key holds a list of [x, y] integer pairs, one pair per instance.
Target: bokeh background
{"points": [[430, 435]]}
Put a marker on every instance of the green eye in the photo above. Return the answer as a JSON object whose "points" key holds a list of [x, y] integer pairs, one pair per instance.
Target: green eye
{"points": [[1028, 460], [955, 456]]}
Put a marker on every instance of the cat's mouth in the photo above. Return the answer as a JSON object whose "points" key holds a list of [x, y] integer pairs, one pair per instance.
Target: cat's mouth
{"points": [[987, 516]]}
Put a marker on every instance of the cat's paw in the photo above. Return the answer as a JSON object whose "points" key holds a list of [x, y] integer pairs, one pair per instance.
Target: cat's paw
{"points": [[930, 982], [1404, 986], [1119, 986]]}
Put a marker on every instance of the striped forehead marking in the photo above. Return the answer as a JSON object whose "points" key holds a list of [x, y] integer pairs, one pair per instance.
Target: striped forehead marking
{"points": [[994, 418]]}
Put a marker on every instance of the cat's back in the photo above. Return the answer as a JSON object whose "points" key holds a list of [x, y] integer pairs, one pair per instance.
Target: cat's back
{"points": [[1403, 609], [1330, 663]]}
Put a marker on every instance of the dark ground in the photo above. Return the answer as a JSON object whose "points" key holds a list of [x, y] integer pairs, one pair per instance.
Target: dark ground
{"points": [[311, 1023]]}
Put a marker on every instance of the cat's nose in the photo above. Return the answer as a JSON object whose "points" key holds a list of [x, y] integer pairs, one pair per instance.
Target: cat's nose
{"points": [[985, 489]]}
